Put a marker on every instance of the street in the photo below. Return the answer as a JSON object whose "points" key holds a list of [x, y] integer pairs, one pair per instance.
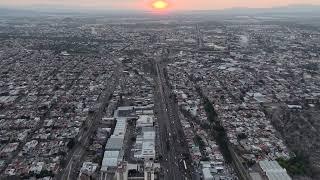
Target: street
{"points": [[172, 141], [74, 157]]}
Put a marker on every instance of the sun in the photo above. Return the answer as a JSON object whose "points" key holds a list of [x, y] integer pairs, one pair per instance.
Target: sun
{"points": [[160, 5]]}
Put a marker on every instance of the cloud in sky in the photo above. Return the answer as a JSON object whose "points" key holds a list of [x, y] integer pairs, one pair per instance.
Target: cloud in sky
{"points": [[176, 4]]}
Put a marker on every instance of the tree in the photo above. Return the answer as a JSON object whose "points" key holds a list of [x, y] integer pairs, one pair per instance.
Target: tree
{"points": [[198, 140], [71, 143], [297, 165], [45, 173]]}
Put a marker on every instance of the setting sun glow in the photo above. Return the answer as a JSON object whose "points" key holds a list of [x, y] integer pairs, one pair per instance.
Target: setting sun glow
{"points": [[160, 5]]}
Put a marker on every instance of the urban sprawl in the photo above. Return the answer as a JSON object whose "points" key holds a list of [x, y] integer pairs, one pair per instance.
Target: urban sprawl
{"points": [[151, 98]]}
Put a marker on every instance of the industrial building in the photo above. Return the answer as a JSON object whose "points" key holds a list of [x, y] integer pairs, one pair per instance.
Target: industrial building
{"points": [[113, 154], [145, 121], [145, 146], [114, 165], [273, 171], [214, 170]]}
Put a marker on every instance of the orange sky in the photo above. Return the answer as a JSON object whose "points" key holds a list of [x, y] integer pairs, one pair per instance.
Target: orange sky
{"points": [[175, 4]]}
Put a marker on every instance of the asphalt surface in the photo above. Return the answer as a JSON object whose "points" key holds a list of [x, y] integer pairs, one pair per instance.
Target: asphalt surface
{"points": [[173, 146], [74, 156]]}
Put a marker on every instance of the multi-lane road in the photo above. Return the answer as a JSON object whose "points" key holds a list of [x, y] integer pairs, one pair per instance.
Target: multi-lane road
{"points": [[78, 151], [173, 148]]}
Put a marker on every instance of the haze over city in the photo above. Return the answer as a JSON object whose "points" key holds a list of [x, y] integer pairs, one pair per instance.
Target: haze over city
{"points": [[145, 4], [159, 89]]}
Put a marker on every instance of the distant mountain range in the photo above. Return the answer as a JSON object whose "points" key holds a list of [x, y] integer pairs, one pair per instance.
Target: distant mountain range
{"points": [[45, 10]]}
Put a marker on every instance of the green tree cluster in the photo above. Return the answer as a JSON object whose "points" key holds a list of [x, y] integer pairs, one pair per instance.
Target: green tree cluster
{"points": [[298, 165]]}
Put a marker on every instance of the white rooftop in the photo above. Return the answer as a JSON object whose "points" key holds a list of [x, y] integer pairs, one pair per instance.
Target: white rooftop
{"points": [[278, 175], [110, 159], [115, 143], [149, 135], [145, 120], [273, 170]]}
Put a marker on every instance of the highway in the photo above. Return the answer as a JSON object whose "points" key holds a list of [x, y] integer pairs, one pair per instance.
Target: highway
{"points": [[199, 37], [79, 149], [77, 152], [172, 140]]}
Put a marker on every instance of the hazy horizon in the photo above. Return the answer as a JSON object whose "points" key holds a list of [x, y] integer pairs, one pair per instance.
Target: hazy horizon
{"points": [[145, 4]]}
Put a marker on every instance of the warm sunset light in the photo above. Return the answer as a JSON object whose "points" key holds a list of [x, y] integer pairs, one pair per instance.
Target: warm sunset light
{"points": [[160, 5]]}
